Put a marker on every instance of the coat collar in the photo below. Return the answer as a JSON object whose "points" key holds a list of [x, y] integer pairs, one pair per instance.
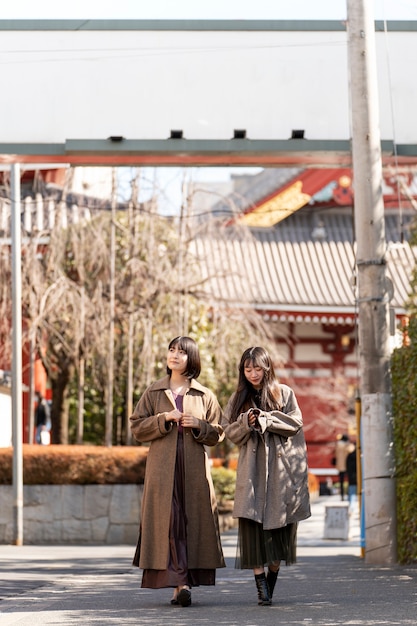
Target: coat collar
{"points": [[163, 383]]}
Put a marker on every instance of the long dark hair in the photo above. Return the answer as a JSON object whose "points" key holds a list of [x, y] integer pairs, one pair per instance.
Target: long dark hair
{"points": [[190, 348], [268, 398]]}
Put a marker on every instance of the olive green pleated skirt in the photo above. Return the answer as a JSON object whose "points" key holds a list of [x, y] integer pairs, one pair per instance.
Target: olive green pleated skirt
{"points": [[257, 547]]}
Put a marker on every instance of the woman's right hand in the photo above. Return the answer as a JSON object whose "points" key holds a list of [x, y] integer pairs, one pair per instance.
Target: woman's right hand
{"points": [[173, 416], [253, 415]]}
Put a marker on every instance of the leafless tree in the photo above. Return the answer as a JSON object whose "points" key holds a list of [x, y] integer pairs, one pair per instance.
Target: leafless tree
{"points": [[160, 290]]}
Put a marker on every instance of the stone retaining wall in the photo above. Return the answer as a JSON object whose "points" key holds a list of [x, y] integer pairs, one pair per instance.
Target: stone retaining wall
{"points": [[78, 514], [73, 514]]}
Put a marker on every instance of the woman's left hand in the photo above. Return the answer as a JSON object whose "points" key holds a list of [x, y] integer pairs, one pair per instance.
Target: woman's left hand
{"points": [[189, 421]]}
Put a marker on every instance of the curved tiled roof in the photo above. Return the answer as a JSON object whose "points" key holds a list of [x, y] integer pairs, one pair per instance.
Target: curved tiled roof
{"points": [[283, 270]]}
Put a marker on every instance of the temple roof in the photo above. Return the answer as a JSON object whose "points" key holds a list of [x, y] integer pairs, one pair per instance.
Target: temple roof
{"points": [[304, 265]]}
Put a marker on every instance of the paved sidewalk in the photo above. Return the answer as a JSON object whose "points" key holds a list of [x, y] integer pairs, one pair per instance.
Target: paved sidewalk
{"points": [[330, 585]]}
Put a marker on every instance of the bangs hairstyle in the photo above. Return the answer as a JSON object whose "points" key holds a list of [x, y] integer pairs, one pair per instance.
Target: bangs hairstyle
{"points": [[258, 357], [270, 393], [190, 348]]}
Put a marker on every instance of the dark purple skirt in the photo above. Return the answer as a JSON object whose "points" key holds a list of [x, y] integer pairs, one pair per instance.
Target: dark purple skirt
{"points": [[177, 573]]}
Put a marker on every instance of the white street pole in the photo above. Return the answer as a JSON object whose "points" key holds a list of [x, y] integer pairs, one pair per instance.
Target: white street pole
{"points": [[373, 290], [17, 358], [110, 375]]}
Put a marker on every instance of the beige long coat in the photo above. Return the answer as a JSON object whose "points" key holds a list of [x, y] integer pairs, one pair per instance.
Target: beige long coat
{"points": [[272, 475], [148, 426]]}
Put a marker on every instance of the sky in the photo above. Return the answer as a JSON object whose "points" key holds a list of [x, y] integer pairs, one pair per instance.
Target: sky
{"points": [[198, 9]]}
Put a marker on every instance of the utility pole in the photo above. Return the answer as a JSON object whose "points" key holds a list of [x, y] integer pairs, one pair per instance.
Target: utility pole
{"points": [[17, 358], [373, 289]]}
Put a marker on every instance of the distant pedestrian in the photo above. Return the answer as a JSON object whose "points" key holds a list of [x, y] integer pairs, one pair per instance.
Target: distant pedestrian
{"points": [[343, 448], [351, 470], [264, 420], [42, 420]]}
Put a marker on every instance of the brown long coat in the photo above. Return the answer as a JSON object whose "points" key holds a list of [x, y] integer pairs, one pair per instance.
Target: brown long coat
{"points": [[272, 475], [148, 426]]}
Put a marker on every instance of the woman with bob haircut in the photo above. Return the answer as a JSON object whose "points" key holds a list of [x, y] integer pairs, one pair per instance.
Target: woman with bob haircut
{"points": [[179, 539], [264, 420]]}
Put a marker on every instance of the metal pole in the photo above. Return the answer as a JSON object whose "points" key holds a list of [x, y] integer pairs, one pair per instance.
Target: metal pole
{"points": [[373, 290], [110, 380], [358, 413], [81, 375], [17, 358], [32, 348], [129, 384]]}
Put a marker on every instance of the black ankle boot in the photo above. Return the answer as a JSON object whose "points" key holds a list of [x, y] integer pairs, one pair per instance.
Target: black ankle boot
{"points": [[271, 579], [264, 598]]}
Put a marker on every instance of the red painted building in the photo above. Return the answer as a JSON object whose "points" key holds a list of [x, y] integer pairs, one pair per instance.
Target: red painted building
{"points": [[284, 246], [295, 264]]}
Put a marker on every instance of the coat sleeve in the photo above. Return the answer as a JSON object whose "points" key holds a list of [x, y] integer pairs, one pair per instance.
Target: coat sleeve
{"points": [[211, 431], [239, 431], [287, 422], [145, 424]]}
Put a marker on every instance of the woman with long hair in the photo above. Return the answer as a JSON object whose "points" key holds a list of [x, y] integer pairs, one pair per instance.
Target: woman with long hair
{"points": [[179, 539], [264, 420]]}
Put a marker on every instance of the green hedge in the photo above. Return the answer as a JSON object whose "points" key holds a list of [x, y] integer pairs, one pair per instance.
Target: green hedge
{"points": [[224, 481], [404, 398]]}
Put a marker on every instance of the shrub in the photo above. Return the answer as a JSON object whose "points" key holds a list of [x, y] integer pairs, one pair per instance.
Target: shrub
{"points": [[76, 465], [89, 465], [224, 481], [404, 401]]}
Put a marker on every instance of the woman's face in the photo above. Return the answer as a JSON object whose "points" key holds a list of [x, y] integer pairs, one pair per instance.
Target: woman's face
{"points": [[177, 359], [253, 374]]}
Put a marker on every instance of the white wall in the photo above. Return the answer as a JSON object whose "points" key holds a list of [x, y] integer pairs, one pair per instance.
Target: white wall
{"points": [[140, 84]]}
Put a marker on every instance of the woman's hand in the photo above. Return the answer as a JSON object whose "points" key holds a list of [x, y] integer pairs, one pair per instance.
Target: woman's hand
{"points": [[253, 415], [173, 416], [189, 421]]}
